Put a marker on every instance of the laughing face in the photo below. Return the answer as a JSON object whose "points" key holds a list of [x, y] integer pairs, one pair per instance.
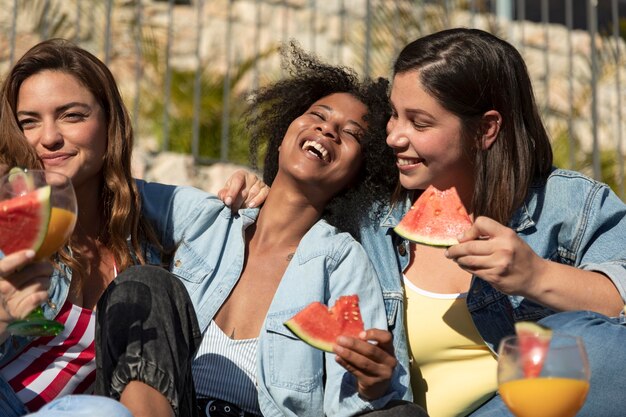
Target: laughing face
{"points": [[322, 146], [426, 138], [65, 124]]}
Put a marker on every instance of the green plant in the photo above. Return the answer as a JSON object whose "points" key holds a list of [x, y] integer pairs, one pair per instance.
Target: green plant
{"points": [[181, 112]]}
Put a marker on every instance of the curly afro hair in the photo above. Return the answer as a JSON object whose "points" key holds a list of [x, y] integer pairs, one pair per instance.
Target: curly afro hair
{"points": [[273, 108]]}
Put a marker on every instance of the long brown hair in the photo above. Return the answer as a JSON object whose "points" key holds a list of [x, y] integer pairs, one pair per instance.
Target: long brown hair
{"points": [[14, 150], [469, 72], [120, 201]]}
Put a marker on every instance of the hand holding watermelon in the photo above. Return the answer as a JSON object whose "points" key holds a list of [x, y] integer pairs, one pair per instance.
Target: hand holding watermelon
{"points": [[367, 354], [370, 358], [498, 255]]}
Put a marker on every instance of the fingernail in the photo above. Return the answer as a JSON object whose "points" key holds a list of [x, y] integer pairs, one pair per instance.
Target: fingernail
{"points": [[251, 204], [228, 201], [30, 254], [445, 253]]}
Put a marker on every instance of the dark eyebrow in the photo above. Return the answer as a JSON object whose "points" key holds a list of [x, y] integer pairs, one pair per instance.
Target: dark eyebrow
{"points": [[349, 120], [412, 112], [59, 109]]}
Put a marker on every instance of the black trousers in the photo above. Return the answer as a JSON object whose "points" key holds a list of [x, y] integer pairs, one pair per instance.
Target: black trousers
{"points": [[147, 330]]}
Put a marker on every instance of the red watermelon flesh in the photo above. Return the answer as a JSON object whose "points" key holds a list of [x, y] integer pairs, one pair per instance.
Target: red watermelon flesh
{"points": [[24, 220], [533, 341], [319, 326], [436, 218]]}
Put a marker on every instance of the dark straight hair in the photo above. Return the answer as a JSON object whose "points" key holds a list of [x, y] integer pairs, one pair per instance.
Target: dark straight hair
{"points": [[469, 72]]}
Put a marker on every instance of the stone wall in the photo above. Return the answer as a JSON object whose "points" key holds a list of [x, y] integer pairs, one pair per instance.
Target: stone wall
{"points": [[552, 88]]}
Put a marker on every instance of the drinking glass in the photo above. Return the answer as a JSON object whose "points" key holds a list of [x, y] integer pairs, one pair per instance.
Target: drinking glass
{"points": [[539, 377], [19, 187]]}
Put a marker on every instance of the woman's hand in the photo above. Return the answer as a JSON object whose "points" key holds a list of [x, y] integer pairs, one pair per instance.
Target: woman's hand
{"points": [[23, 286], [371, 363], [243, 188], [496, 254]]}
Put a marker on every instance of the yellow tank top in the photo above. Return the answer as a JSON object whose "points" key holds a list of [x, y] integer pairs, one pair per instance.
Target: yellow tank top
{"points": [[452, 370]]}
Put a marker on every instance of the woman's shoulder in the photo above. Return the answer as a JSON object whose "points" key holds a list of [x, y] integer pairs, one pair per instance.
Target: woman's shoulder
{"points": [[566, 185], [155, 189], [184, 198], [569, 179], [570, 193]]}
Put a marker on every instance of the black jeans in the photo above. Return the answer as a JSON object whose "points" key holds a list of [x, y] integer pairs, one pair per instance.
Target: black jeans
{"points": [[147, 330]]}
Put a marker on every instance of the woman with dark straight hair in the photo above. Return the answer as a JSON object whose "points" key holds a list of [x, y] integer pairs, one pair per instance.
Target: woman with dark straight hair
{"points": [[545, 243]]}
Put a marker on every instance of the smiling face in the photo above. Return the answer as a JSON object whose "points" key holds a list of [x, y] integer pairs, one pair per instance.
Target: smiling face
{"points": [[65, 124], [426, 138], [322, 146]]}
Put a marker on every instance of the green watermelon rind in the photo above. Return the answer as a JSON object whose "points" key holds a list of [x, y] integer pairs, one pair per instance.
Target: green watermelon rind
{"points": [[422, 239], [42, 196], [16, 174], [316, 342]]}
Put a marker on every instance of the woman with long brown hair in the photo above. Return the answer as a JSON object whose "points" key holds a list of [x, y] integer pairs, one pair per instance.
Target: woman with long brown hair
{"points": [[66, 105]]}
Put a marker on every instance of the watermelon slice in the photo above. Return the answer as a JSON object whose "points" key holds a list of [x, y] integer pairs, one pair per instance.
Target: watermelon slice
{"points": [[20, 182], [436, 218], [319, 326], [533, 341], [24, 220]]}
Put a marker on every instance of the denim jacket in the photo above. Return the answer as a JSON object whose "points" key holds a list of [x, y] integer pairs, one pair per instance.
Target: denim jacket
{"points": [[293, 378], [570, 219]]}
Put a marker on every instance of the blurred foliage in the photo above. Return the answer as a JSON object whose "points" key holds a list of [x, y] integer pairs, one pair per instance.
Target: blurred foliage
{"points": [[583, 160], [210, 125]]}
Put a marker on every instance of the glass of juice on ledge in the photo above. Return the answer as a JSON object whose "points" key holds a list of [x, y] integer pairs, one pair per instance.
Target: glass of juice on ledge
{"points": [[539, 377]]}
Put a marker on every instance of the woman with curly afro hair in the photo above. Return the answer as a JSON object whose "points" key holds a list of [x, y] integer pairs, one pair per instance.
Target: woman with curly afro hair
{"points": [[272, 109], [249, 272]]}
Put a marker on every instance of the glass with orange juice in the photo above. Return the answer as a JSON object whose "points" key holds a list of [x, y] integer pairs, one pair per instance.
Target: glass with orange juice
{"points": [[547, 380], [37, 211]]}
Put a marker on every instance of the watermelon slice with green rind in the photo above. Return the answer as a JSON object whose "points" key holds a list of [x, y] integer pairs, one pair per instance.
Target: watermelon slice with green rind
{"points": [[319, 325], [20, 182], [436, 218], [24, 220], [533, 342]]}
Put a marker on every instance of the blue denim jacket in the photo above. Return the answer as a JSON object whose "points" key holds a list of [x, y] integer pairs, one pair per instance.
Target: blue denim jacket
{"points": [[569, 219], [293, 379]]}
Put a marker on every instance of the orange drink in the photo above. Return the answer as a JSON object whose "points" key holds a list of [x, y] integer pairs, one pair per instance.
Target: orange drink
{"points": [[47, 221], [60, 228], [544, 397]]}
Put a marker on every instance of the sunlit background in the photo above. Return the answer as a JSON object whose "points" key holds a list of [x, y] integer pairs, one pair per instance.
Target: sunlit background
{"points": [[184, 66]]}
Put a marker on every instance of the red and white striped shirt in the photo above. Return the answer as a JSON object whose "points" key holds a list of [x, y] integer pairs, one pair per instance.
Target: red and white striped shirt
{"points": [[53, 366]]}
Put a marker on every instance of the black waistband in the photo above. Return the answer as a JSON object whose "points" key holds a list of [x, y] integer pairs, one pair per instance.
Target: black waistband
{"points": [[208, 407]]}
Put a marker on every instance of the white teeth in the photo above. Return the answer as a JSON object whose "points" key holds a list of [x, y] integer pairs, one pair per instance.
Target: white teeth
{"points": [[321, 153], [402, 161]]}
